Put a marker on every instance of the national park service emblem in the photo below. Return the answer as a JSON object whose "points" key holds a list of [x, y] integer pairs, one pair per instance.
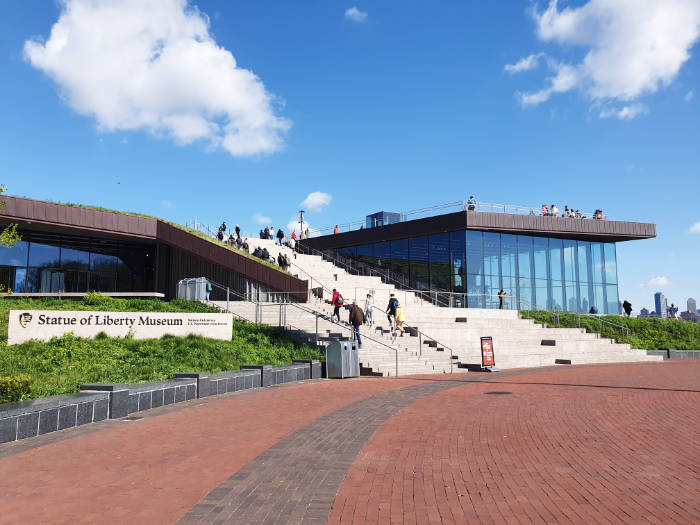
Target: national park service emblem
{"points": [[25, 319]]}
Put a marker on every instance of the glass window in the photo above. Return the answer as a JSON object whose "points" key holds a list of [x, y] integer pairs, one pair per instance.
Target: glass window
{"points": [[597, 264], [365, 254], [584, 262], [440, 270], [491, 288], [102, 282], [458, 283], [492, 243], [75, 259], [542, 295], [524, 256], [610, 262], [569, 261], [509, 285], [475, 252], [525, 290], [399, 261], [44, 255], [613, 301], [556, 252], [584, 292], [509, 250], [475, 289], [540, 248], [382, 251], [457, 253], [20, 285], [598, 298], [420, 268], [557, 295], [15, 256], [571, 296]]}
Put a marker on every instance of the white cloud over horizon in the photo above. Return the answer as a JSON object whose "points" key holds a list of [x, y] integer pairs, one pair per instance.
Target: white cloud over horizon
{"points": [[657, 282], [689, 96], [316, 201], [632, 48], [695, 228], [355, 15], [524, 64], [154, 66]]}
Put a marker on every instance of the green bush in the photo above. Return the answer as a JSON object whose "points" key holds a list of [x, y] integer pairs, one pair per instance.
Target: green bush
{"points": [[63, 364], [644, 333], [14, 388]]}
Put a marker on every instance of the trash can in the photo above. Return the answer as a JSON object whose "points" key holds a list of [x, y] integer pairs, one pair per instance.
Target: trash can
{"points": [[342, 360], [194, 289]]}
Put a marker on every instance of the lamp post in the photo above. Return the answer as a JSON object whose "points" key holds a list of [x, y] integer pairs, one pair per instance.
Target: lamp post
{"points": [[301, 222]]}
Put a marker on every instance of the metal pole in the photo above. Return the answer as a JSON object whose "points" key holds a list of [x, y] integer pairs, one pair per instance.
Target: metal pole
{"points": [[397, 361], [420, 344], [227, 299], [316, 313]]}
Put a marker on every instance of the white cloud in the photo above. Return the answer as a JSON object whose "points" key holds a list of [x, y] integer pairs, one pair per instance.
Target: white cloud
{"points": [[167, 204], [695, 228], [316, 201], [262, 219], [524, 64], [633, 47], [657, 282], [153, 65], [626, 113], [295, 226], [355, 15], [689, 96]]}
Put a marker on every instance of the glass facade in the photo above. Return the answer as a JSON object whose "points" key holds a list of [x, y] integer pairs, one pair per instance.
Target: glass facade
{"points": [[470, 267], [46, 263]]}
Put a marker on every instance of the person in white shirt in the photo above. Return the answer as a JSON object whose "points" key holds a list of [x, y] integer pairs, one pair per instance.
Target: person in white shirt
{"points": [[369, 315]]}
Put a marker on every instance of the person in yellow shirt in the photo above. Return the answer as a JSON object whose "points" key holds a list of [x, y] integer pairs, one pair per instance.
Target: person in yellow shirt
{"points": [[400, 319]]}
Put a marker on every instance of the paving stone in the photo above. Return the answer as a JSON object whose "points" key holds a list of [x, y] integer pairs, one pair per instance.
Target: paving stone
{"points": [[28, 425]]}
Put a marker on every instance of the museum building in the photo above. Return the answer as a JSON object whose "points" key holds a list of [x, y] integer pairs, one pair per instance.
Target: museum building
{"points": [[73, 249], [463, 259]]}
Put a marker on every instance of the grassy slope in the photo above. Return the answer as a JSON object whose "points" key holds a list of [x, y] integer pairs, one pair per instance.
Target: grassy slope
{"points": [[645, 333], [179, 226], [63, 364]]}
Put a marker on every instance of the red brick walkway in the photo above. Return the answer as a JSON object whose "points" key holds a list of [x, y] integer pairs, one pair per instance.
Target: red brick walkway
{"points": [[613, 444], [605, 444]]}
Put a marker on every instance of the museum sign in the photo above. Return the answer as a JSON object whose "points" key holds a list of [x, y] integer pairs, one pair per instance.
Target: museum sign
{"points": [[45, 324]]}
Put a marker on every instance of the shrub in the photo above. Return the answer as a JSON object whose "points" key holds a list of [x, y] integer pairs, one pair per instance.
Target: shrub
{"points": [[14, 388]]}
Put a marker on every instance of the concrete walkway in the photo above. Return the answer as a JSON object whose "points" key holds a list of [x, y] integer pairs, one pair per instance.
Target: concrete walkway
{"points": [[597, 444]]}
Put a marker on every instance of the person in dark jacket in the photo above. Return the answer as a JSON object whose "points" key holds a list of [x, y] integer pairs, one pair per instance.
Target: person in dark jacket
{"points": [[280, 236], [627, 307], [357, 319], [238, 231]]}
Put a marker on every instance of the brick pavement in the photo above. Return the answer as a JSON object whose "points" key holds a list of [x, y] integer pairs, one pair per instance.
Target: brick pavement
{"points": [[611, 444], [608, 444]]}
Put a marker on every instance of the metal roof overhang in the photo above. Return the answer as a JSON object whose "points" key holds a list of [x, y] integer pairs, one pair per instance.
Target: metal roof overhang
{"points": [[580, 229]]}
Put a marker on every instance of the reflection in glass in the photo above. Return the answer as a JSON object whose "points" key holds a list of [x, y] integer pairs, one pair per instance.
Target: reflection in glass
{"points": [[75, 259], [509, 250], [20, 285], [541, 294], [491, 253], [597, 264], [556, 254], [492, 286], [610, 263], [540, 249], [613, 301], [584, 262], [475, 252], [476, 291], [571, 291], [569, 261], [524, 256], [15, 256], [557, 296], [44, 255]]}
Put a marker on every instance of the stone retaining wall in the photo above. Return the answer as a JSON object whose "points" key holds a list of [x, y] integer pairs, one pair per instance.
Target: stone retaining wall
{"points": [[100, 401], [676, 354]]}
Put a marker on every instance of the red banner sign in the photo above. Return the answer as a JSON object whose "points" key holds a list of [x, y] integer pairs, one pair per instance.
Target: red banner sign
{"points": [[487, 357]]}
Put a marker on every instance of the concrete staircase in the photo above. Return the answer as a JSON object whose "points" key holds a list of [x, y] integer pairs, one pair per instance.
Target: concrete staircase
{"points": [[517, 342]]}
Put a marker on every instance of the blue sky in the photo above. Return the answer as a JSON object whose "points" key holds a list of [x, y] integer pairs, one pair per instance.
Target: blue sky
{"points": [[394, 106]]}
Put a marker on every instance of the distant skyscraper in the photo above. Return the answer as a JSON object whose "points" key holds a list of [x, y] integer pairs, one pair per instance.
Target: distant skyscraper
{"points": [[643, 312], [661, 305], [692, 305]]}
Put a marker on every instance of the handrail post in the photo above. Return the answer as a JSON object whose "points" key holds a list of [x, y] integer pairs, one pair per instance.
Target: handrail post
{"points": [[396, 350], [227, 308], [316, 313], [420, 344]]}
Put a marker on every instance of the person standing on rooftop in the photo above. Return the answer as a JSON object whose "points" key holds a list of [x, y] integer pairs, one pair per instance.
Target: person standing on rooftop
{"points": [[336, 230]]}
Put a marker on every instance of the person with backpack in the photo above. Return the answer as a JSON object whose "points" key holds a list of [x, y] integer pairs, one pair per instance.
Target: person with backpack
{"points": [[357, 318], [208, 289], [280, 236], [337, 302], [391, 309]]}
